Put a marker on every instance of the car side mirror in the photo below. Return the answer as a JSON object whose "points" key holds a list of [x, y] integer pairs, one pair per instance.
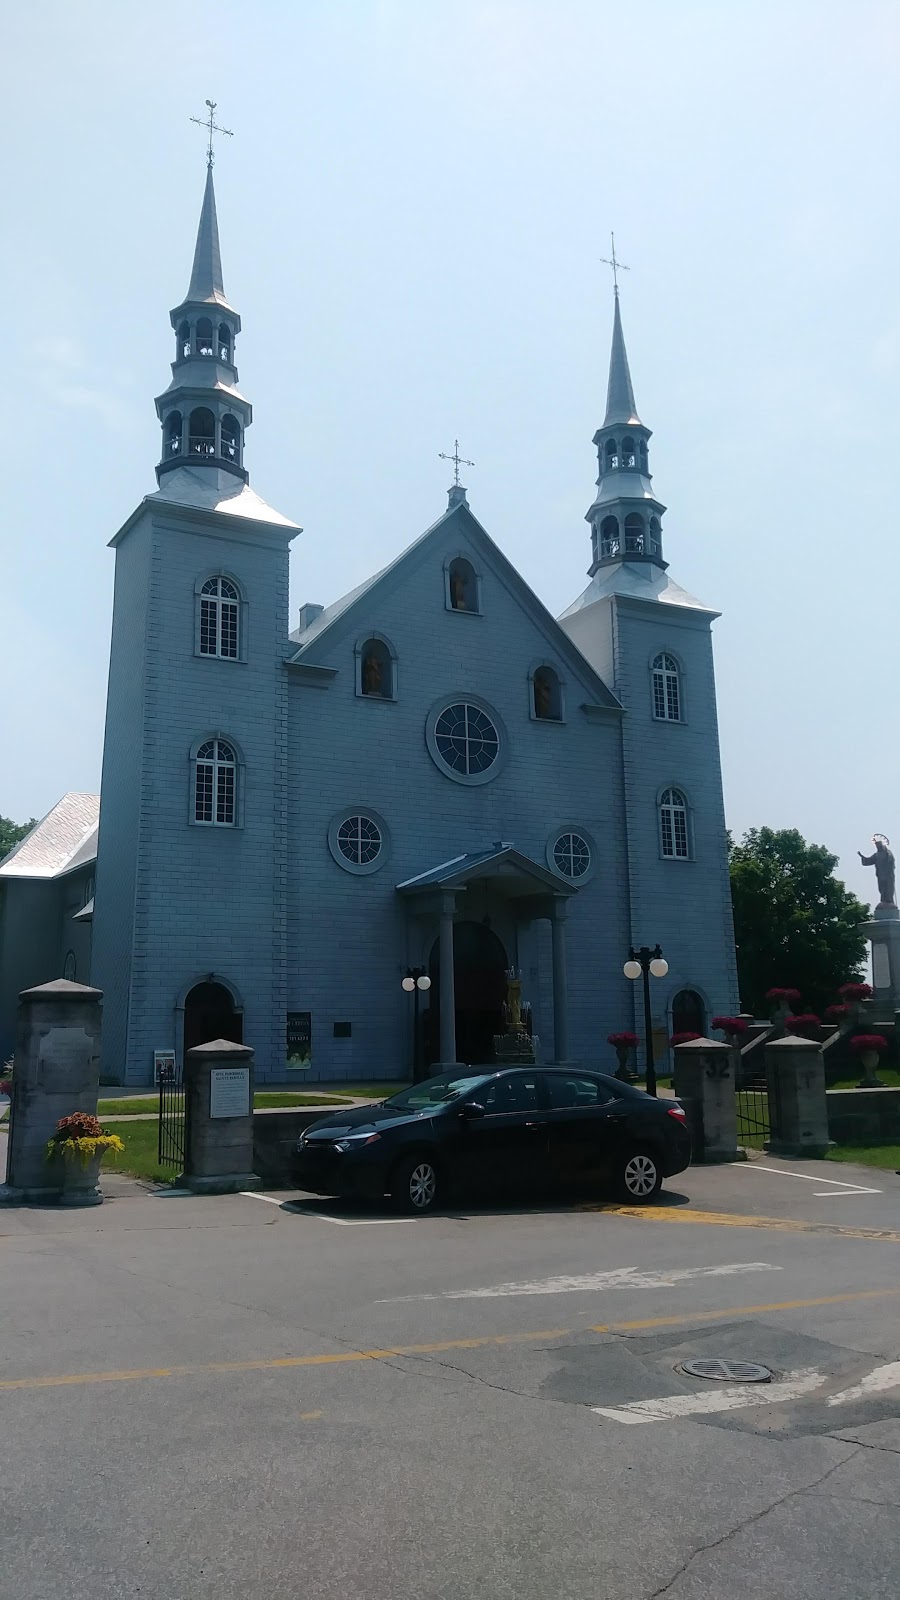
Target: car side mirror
{"points": [[470, 1110]]}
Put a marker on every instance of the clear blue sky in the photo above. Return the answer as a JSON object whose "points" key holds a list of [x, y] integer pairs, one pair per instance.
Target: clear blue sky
{"points": [[412, 212]]}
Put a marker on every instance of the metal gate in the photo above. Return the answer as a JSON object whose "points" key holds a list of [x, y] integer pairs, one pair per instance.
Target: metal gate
{"points": [[757, 1106], [172, 1139]]}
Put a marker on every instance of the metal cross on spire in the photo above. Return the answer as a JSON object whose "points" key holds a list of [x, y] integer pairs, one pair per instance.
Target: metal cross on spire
{"points": [[458, 461], [614, 262], [211, 126]]}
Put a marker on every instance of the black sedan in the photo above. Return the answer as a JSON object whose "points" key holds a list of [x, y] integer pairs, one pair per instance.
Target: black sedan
{"points": [[496, 1132]]}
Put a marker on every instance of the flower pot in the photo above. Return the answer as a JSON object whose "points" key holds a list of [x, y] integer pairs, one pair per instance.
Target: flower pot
{"points": [[869, 1059], [77, 1184], [623, 1071]]}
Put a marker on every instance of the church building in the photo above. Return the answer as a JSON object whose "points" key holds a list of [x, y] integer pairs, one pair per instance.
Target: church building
{"points": [[431, 775]]}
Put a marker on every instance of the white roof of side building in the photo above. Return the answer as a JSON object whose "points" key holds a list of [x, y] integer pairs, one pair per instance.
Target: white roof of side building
{"points": [[64, 839]]}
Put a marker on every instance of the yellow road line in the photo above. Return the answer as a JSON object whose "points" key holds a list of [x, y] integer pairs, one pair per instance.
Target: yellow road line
{"points": [[341, 1357], [734, 1219]]}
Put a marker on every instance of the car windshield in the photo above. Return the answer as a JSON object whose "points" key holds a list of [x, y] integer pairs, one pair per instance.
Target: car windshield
{"points": [[436, 1091]]}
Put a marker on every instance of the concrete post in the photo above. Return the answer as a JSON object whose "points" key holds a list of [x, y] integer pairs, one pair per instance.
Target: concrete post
{"points": [[448, 985], [57, 1071], [560, 982], [798, 1109], [883, 934], [218, 1108], [704, 1083]]}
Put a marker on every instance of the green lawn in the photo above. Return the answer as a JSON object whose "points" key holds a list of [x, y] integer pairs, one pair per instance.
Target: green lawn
{"points": [[140, 1154], [889, 1076], [877, 1155], [145, 1105]]}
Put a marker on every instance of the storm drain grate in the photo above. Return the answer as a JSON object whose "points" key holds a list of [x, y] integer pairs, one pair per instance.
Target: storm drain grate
{"points": [[728, 1371]]}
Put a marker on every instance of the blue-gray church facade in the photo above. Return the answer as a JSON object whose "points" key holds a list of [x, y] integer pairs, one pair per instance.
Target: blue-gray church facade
{"points": [[433, 774]]}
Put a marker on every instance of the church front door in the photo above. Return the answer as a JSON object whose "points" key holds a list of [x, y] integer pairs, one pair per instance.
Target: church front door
{"points": [[209, 1014], [480, 964]]}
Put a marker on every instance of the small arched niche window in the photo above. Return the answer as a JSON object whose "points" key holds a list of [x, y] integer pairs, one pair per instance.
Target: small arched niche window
{"points": [[202, 432], [231, 439], [688, 1013], [666, 688], [628, 453], [673, 825], [634, 534], [183, 340], [609, 537], [174, 430], [612, 455], [376, 669], [204, 337], [224, 342], [215, 784], [219, 619], [462, 586], [546, 695]]}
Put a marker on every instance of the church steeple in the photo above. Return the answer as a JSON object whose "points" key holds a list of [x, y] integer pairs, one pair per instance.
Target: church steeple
{"points": [[625, 517], [203, 413]]}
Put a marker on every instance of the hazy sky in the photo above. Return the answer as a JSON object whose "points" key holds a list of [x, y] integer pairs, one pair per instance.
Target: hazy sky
{"points": [[412, 212]]}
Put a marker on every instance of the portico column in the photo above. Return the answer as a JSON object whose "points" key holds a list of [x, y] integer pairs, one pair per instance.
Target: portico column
{"points": [[448, 991], [560, 982]]}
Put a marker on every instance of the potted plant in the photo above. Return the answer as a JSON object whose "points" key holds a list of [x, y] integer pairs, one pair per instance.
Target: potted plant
{"points": [[75, 1153], [732, 1027], [805, 1026], [624, 1045], [782, 1001], [868, 1046]]}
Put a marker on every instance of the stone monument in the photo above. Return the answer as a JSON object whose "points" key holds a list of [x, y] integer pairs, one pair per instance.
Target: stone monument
{"points": [[883, 929], [704, 1083], [218, 1111], [57, 1071]]}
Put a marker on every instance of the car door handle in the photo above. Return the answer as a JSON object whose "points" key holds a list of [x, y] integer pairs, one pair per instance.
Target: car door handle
{"points": [[537, 1122]]}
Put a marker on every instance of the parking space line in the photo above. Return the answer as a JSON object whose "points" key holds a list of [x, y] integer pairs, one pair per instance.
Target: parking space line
{"points": [[299, 1210], [808, 1177]]}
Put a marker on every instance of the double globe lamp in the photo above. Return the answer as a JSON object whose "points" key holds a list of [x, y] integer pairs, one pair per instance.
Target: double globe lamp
{"points": [[647, 963]]}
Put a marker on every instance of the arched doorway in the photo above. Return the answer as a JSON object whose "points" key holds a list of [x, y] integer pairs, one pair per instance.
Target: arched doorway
{"points": [[209, 1013], [688, 1012], [479, 965]]}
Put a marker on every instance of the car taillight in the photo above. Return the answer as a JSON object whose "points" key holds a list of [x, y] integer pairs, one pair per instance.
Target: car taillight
{"points": [[677, 1111]]}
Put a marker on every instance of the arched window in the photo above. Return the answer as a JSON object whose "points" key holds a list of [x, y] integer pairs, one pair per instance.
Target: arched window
{"points": [[612, 455], [673, 825], [375, 672], [224, 342], [642, 447], [220, 614], [204, 344], [202, 432], [595, 543], [215, 784], [628, 455], [666, 689], [462, 586], [69, 969], [231, 439], [634, 534], [609, 537], [174, 427], [546, 695], [688, 1013], [655, 541], [183, 341]]}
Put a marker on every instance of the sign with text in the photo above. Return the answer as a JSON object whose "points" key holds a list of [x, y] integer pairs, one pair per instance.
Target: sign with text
{"points": [[298, 1041], [163, 1066], [229, 1092]]}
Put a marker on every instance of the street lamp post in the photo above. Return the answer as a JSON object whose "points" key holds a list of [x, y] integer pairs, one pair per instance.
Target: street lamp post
{"points": [[646, 962], [415, 983]]}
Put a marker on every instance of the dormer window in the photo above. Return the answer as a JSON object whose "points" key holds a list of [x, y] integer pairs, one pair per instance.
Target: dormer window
{"points": [[224, 342], [204, 344]]}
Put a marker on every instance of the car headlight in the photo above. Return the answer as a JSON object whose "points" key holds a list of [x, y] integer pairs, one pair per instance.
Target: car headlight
{"points": [[355, 1141]]}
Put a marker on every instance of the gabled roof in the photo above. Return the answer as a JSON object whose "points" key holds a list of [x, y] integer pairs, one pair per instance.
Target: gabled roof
{"points": [[64, 839], [501, 860], [461, 514]]}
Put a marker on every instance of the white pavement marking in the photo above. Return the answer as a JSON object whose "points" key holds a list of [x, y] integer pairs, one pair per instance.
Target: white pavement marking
{"points": [[733, 1398], [874, 1383], [820, 1194], [253, 1194], [593, 1282], [321, 1216]]}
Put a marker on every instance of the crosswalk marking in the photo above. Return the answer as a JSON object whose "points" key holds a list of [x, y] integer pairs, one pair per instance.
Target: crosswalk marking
{"points": [[887, 1377], [734, 1397], [594, 1282]]}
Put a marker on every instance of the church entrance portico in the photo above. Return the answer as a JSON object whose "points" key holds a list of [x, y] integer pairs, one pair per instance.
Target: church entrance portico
{"points": [[470, 897], [210, 1011]]}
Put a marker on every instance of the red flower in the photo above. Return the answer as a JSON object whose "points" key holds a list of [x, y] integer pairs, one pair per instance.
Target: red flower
{"points": [[731, 1024], [80, 1125], [856, 991], [862, 1043], [5, 1085], [789, 996], [684, 1038], [806, 1025], [837, 1013], [623, 1041]]}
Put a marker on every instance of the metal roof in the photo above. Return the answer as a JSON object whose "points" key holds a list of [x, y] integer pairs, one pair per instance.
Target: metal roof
{"points": [[635, 580], [64, 839], [620, 405], [211, 490], [206, 277], [501, 860]]}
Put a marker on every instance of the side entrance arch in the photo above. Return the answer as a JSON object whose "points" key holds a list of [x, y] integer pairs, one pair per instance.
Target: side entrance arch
{"points": [[210, 1013], [479, 969]]}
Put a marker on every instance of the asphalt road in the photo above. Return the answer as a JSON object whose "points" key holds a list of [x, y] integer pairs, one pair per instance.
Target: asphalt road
{"points": [[248, 1397]]}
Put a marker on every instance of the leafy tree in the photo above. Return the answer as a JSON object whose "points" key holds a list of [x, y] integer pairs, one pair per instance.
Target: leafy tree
{"points": [[11, 833], [796, 925]]}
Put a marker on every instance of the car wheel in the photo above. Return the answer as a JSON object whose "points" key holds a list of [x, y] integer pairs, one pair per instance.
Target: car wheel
{"points": [[415, 1185], [639, 1177]]}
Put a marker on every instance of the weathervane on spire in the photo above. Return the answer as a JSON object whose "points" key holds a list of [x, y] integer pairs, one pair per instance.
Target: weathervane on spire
{"points": [[609, 261], [458, 461], [211, 126]]}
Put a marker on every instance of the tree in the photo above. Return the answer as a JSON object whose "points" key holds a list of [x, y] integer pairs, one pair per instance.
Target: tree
{"points": [[796, 925], [11, 833]]}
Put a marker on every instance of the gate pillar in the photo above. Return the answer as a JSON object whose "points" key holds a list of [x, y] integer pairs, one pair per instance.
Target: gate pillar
{"points": [[798, 1109], [704, 1083], [56, 1072], [218, 1103]]}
